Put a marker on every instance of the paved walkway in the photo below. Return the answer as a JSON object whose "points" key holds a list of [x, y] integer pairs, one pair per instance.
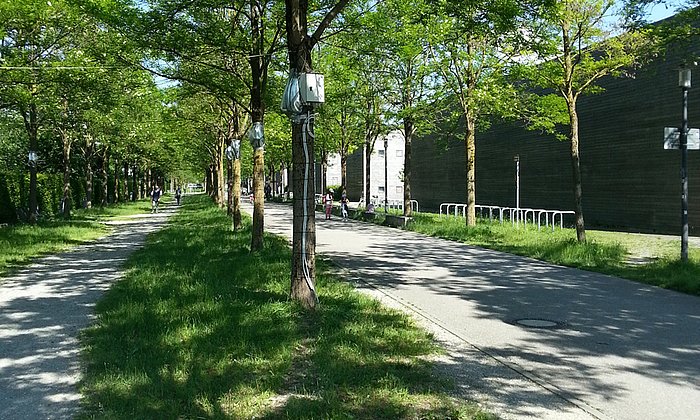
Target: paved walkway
{"points": [[42, 309], [621, 350]]}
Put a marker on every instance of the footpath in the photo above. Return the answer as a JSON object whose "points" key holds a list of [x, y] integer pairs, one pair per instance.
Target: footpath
{"points": [[528, 339], [44, 306]]}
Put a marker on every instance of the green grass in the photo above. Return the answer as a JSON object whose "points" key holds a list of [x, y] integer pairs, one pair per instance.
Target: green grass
{"points": [[200, 327], [119, 210], [657, 260], [20, 244]]}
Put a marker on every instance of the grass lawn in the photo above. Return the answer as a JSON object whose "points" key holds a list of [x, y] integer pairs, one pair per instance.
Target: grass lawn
{"points": [[644, 258], [20, 244], [200, 327]]}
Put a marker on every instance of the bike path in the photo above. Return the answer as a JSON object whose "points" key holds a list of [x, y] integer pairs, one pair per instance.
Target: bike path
{"points": [[44, 306], [619, 349]]}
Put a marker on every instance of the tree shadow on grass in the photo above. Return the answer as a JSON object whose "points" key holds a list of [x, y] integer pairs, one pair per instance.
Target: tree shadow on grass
{"points": [[201, 327]]}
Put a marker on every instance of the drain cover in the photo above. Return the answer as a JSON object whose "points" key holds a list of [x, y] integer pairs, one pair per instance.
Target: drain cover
{"points": [[537, 323]]}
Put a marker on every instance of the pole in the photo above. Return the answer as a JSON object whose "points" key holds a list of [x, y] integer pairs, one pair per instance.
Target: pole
{"points": [[684, 177], [517, 186], [386, 174]]}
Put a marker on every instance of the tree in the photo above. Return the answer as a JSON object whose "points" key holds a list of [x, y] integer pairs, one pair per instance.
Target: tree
{"points": [[579, 51], [472, 45], [341, 128], [34, 36], [402, 43], [299, 45]]}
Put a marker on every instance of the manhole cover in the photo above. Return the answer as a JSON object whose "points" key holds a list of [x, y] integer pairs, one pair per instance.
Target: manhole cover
{"points": [[537, 323]]}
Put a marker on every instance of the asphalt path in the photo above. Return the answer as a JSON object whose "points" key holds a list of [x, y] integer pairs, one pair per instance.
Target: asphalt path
{"points": [[618, 349], [44, 306]]}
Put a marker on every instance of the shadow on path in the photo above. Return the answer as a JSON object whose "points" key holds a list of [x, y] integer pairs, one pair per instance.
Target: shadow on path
{"points": [[623, 350], [44, 306]]}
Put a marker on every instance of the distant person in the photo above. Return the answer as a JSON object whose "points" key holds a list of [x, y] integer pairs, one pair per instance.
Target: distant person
{"points": [[328, 200], [155, 198], [344, 205], [178, 195], [268, 191], [370, 208]]}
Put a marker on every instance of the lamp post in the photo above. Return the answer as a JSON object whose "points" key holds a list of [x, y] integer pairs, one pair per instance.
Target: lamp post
{"points": [[516, 159], [684, 84], [386, 174]]}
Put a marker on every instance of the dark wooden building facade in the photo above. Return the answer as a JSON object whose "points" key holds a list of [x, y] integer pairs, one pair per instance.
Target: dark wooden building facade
{"points": [[629, 181]]}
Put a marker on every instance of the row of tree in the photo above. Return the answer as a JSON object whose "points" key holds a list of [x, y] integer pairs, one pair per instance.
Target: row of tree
{"points": [[80, 75]]}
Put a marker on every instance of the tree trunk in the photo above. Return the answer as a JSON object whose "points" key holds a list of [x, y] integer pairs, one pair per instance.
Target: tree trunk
{"points": [[304, 224], [31, 124], [256, 243], [344, 170], [324, 172], [229, 184], [88, 183], [258, 78], [368, 177], [66, 202], [142, 184], [470, 143], [408, 135], [134, 182], [236, 194], [116, 180], [576, 168], [105, 180], [125, 184], [299, 46], [220, 172]]}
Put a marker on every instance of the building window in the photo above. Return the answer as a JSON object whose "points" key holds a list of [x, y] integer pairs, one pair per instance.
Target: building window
{"points": [[399, 189], [399, 153], [381, 189], [381, 152]]}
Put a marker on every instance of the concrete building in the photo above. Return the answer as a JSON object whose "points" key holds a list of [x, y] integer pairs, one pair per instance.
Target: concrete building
{"points": [[392, 157]]}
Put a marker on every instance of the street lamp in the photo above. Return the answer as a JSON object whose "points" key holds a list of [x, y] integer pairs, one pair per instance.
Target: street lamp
{"points": [[386, 173], [516, 159], [684, 84]]}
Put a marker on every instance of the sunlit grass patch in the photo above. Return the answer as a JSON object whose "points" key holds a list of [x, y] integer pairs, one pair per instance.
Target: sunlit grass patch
{"points": [[604, 252], [202, 327], [20, 244]]}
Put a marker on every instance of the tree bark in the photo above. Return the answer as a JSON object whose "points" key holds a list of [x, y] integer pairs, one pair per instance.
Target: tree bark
{"points": [[368, 171], [576, 169], [116, 180], [125, 184], [66, 201], [299, 46], [258, 68], [258, 200], [408, 136], [304, 220], [236, 194], [105, 181], [31, 124], [134, 182], [470, 143]]}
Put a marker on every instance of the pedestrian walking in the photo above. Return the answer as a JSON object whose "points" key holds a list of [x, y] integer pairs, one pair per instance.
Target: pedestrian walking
{"points": [[344, 205], [178, 195], [328, 200], [155, 198]]}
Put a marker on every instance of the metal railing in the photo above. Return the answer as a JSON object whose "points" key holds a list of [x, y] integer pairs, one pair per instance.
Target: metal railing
{"points": [[393, 204], [515, 215]]}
